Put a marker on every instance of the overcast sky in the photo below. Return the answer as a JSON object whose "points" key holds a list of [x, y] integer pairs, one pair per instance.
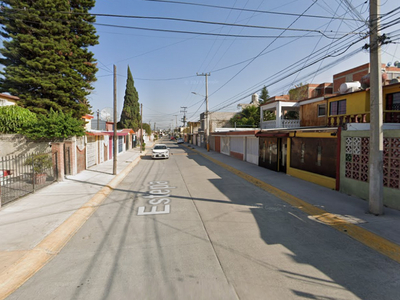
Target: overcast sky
{"points": [[276, 43]]}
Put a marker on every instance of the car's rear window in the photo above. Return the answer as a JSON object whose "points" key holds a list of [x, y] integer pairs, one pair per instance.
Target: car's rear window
{"points": [[160, 147]]}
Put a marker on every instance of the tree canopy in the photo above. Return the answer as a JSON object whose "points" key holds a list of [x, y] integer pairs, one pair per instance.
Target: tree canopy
{"points": [[46, 59], [249, 117], [13, 118], [130, 116], [264, 95], [55, 125]]}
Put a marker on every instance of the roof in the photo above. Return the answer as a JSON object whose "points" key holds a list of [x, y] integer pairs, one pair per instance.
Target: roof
{"points": [[239, 132], [94, 133], [87, 117], [8, 97], [128, 130]]}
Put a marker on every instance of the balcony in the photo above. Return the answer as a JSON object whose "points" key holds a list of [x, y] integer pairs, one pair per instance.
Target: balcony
{"points": [[341, 119], [389, 116], [283, 124]]}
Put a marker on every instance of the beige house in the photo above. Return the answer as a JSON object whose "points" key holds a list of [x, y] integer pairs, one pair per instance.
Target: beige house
{"points": [[6, 100]]}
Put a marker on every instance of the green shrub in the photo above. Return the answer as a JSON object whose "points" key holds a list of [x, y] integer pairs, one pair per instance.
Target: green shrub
{"points": [[40, 162], [55, 125], [13, 118]]}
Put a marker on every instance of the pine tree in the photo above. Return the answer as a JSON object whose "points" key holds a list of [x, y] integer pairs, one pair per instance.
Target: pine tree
{"points": [[264, 95], [130, 116], [46, 59]]}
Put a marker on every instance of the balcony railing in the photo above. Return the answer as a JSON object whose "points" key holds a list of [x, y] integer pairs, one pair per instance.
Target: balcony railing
{"points": [[353, 118], [290, 123], [285, 124], [389, 116], [268, 124]]}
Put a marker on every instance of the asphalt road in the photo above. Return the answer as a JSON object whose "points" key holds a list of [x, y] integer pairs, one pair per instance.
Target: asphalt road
{"points": [[185, 228]]}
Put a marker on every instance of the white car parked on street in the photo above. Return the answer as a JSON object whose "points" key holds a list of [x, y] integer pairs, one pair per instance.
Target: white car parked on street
{"points": [[160, 151]]}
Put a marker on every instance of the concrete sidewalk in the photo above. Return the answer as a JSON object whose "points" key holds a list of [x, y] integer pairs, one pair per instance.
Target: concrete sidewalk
{"points": [[347, 209], [26, 222]]}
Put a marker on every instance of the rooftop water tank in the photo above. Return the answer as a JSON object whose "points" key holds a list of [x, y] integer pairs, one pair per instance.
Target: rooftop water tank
{"points": [[349, 87]]}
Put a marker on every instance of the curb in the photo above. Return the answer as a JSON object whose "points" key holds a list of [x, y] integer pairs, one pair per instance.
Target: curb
{"points": [[35, 259]]}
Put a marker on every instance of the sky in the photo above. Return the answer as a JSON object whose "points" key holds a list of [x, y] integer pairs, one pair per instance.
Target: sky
{"points": [[243, 45]]}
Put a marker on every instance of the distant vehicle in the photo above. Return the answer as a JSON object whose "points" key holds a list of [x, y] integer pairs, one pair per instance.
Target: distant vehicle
{"points": [[172, 138], [180, 141], [160, 151]]}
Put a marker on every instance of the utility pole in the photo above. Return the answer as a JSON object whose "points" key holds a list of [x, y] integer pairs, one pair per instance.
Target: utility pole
{"points": [[98, 120], [176, 121], [184, 115], [115, 124], [375, 201], [141, 127], [207, 117]]}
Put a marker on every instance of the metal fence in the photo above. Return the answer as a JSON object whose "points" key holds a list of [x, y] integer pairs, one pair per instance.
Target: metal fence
{"points": [[23, 174]]}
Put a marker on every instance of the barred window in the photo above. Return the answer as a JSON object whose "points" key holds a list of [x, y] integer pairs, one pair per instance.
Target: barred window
{"points": [[337, 108]]}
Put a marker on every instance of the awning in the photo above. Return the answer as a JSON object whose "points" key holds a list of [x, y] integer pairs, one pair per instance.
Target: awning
{"points": [[272, 134], [111, 133]]}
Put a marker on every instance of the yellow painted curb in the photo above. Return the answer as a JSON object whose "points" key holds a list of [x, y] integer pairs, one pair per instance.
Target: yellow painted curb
{"points": [[366, 237], [17, 274]]}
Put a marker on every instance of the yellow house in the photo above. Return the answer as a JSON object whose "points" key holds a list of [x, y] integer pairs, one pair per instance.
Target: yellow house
{"points": [[391, 103], [349, 108], [355, 107]]}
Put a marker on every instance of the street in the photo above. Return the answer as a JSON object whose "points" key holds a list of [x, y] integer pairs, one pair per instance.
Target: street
{"points": [[186, 228]]}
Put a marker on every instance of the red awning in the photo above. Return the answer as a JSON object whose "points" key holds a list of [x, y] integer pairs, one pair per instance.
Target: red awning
{"points": [[272, 134], [107, 133]]}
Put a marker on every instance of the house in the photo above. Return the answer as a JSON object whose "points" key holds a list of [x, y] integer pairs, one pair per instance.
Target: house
{"points": [[216, 120], [304, 106], [6, 100], [238, 143]]}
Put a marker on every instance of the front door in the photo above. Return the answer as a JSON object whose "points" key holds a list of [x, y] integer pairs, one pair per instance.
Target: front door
{"points": [[282, 154], [268, 153]]}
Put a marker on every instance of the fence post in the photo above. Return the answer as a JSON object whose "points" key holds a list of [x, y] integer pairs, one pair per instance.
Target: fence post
{"points": [[33, 171], [71, 152], [57, 149]]}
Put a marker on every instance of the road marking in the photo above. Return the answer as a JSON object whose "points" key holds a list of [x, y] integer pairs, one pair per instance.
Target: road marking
{"points": [[344, 225], [158, 195]]}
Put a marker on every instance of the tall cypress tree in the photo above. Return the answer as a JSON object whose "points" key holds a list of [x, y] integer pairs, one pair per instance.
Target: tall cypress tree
{"points": [[130, 116], [46, 59]]}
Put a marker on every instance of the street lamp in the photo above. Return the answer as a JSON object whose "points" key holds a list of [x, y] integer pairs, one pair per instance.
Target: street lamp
{"points": [[207, 127]]}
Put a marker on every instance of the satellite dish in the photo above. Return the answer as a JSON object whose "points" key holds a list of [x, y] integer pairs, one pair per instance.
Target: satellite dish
{"points": [[106, 114]]}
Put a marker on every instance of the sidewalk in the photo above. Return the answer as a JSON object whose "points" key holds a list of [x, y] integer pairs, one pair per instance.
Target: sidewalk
{"points": [[351, 209], [24, 223]]}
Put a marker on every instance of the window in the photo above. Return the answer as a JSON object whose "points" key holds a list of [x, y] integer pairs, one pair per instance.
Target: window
{"points": [[337, 108], [393, 101], [321, 110]]}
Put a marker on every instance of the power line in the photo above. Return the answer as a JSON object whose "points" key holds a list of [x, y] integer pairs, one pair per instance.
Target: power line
{"points": [[206, 33], [259, 54], [246, 9]]}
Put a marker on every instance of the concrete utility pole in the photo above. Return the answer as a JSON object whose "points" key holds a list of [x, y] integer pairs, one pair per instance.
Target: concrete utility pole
{"points": [[207, 117], [375, 201], [141, 127], [176, 121], [98, 119], [184, 115], [115, 124]]}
